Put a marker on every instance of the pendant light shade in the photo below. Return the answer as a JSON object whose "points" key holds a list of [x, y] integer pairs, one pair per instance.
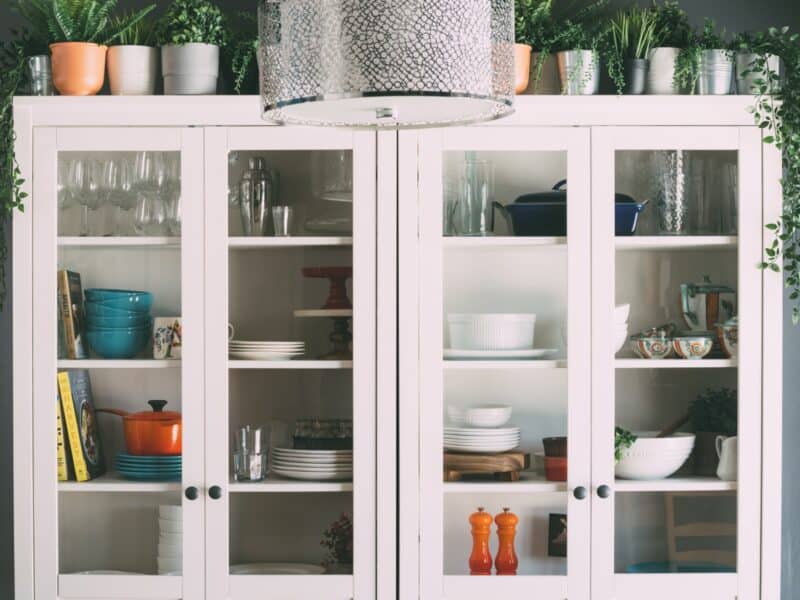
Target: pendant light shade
{"points": [[386, 63]]}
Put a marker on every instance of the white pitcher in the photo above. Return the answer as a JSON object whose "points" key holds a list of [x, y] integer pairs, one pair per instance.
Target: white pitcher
{"points": [[727, 450]]}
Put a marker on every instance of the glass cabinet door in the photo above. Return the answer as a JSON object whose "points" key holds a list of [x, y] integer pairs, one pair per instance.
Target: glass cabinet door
{"points": [[676, 346], [504, 301], [290, 363], [117, 345]]}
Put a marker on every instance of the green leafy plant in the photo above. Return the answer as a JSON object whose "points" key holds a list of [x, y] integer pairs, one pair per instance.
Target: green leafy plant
{"points": [[631, 34], [78, 20], [338, 539], [140, 33], [241, 53], [623, 439], [672, 28], [193, 22], [687, 66], [715, 410], [536, 27]]}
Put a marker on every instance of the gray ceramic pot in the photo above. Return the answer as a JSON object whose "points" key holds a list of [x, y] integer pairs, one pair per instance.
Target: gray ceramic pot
{"points": [[190, 69], [635, 75], [579, 71], [746, 81], [715, 73]]}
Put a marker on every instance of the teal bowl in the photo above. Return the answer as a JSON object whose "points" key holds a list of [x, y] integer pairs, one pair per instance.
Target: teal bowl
{"points": [[97, 309], [117, 343], [120, 321], [125, 299]]}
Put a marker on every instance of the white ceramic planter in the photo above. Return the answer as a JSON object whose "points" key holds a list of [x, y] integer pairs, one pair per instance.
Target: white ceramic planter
{"points": [[190, 69], [746, 80], [132, 70], [661, 71]]}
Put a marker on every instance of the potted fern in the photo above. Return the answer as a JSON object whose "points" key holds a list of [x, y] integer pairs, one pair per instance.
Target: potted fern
{"points": [[191, 34], [79, 34], [631, 33], [673, 34], [133, 63]]}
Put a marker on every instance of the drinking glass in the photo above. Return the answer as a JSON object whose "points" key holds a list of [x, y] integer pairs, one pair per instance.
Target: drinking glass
{"points": [[150, 172], [118, 189], [65, 198], [473, 212], [149, 215], [670, 190], [339, 172], [282, 220], [85, 186]]}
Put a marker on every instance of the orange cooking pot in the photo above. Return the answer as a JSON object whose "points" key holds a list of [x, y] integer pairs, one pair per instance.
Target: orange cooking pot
{"points": [[156, 433]]}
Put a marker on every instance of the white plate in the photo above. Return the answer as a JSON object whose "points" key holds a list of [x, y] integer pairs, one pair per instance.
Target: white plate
{"points": [[452, 354], [452, 444], [473, 450], [233, 344], [276, 569], [305, 452], [312, 461], [481, 432], [264, 355], [292, 474], [481, 442], [325, 469], [106, 572]]}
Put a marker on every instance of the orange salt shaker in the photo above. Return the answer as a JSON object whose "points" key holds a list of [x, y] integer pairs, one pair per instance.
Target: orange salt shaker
{"points": [[506, 561], [480, 561]]}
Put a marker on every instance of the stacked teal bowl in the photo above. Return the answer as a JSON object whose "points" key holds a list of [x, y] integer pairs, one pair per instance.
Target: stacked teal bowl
{"points": [[118, 322]]}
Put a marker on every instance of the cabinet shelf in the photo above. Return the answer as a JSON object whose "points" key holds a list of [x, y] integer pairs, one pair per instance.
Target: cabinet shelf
{"points": [[118, 242], [288, 486], [503, 241], [114, 482], [290, 364], [529, 483], [678, 242], [504, 364], [676, 484], [254, 243], [675, 363], [120, 586], [131, 363]]}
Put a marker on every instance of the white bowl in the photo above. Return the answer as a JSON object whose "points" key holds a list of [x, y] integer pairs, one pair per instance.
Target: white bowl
{"points": [[654, 458], [169, 564], [172, 539], [169, 526], [170, 550], [488, 331], [490, 415], [621, 313], [170, 511], [620, 337]]}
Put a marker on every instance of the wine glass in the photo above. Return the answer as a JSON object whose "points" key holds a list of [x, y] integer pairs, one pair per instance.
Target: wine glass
{"points": [[118, 188], [85, 184], [65, 198], [172, 193], [149, 215], [150, 172]]}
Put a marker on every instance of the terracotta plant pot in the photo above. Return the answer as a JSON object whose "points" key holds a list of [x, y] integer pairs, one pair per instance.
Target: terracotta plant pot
{"points": [[522, 67], [78, 67]]}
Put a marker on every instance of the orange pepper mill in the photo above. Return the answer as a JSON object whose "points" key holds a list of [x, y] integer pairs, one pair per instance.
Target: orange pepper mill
{"points": [[480, 561], [506, 561]]}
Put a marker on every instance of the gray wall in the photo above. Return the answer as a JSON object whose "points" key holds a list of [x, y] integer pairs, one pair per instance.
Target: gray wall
{"points": [[735, 15]]}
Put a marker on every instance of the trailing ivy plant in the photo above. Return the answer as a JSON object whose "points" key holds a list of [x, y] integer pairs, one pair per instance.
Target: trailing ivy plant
{"points": [[78, 20], [687, 67], [623, 439], [241, 53], [193, 22], [631, 34]]}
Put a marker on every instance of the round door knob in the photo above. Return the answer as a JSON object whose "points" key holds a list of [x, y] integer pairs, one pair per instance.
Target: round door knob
{"points": [[191, 493], [579, 492], [215, 492], [604, 491]]}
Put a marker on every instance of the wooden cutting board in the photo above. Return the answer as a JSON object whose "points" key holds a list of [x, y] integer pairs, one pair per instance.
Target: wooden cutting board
{"points": [[503, 466]]}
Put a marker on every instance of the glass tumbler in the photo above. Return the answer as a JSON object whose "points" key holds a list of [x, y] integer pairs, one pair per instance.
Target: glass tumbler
{"points": [[472, 211], [670, 192], [250, 456]]}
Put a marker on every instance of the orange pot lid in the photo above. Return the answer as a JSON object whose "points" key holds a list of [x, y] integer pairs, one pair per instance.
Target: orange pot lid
{"points": [[157, 414]]}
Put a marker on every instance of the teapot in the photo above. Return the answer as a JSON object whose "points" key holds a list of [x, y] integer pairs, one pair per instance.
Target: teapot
{"points": [[706, 304]]}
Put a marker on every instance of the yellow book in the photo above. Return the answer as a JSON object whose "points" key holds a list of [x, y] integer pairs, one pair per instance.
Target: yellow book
{"points": [[63, 475], [71, 423]]}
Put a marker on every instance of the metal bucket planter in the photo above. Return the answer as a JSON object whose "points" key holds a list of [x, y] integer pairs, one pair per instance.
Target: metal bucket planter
{"points": [[661, 71], [547, 81], [746, 75], [715, 73], [579, 71], [635, 75]]}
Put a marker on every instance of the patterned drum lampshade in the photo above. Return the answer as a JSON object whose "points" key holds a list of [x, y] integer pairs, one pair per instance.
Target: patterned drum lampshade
{"points": [[386, 63]]}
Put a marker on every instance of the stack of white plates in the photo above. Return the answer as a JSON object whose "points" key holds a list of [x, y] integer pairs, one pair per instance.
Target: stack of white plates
{"points": [[170, 540], [472, 439], [242, 350], [313, 465]]}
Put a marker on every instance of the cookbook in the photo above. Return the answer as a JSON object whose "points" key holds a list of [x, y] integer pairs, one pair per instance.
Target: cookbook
{"points": [[72, 321], [80, 424], [65, 470]]}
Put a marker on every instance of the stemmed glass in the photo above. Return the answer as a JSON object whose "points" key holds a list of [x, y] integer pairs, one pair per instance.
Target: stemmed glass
{"points": [[172, 193], [118, 188], [84, 186], [150, 175], [65, 199]]}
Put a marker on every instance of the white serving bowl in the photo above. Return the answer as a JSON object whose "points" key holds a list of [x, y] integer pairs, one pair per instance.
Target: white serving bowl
{"points": [[169, 564], [490, 415], [490, 331], [170, 550], [172, 539], [620, 337], [621, 313], [654, 458], [170, 511], [169, 526]]}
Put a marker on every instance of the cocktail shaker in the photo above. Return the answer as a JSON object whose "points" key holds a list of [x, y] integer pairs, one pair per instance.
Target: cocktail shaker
{"points": [[256, 199]]}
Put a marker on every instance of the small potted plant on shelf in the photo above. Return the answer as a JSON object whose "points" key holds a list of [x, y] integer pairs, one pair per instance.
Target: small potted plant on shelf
{"points": [[191, 34], [79, 34], [673, 34], [706, 64], [631, 35], [133, 63], [240, 55], [578, 59], [712, 413], [338, 539], [758, 71], [536, 27]]}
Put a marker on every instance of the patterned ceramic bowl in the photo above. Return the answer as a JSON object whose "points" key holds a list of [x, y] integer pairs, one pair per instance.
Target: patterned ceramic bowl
{"points": [[651, 347], [692, 347]]}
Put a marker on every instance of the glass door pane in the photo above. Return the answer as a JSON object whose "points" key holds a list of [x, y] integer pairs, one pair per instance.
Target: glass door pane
{"points": [[498, 403], [121, 341], [677, 246]]}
